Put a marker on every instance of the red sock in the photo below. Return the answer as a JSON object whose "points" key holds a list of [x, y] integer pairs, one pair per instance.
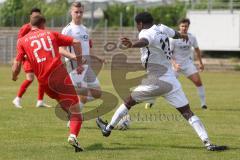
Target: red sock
{"points": [[23, 87], [75, 124], [40, 92]]}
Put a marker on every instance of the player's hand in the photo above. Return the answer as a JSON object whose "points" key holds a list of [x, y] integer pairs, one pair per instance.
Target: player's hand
{"points": [[14, 78], [79, 69], [126, 42], [176, 67], [201, 67]]}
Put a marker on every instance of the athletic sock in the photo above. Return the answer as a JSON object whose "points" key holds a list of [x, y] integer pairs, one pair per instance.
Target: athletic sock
{"points": [[75, 124], [120, 112], [197, 125], [23, 87], [40, 92], [201, 93]]}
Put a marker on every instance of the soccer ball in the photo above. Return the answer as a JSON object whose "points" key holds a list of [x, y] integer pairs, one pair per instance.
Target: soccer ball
{"points": [[124, 123]]}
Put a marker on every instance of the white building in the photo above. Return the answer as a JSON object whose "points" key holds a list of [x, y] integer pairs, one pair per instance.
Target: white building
{"points": [[217, 30]]}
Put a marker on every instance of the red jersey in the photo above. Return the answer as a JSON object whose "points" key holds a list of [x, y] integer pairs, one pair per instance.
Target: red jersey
{"points": [[42, 50], [24, 30]]}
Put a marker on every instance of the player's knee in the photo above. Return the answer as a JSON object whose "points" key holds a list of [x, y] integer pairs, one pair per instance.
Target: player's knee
{"points": [[198, 83], [96, 94], [129, 102], [186, 111]]}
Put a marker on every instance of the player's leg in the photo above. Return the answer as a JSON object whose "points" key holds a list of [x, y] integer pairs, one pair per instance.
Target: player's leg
{"points": [[195, 78], [122, 111], [90, 94], [93, 85], [40, 102], [151, 88], [64, 92], [180, 102], [190, 71], [23, 87], [199, 128]]}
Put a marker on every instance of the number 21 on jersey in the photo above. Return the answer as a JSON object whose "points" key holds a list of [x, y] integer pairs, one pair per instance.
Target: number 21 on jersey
{"points": [[41, 44]]}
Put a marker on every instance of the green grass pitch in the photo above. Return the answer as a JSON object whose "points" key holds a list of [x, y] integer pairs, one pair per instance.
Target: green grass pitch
{"points": [[36, 133]]}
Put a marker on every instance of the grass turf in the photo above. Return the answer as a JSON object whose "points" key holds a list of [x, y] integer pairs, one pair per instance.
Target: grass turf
{"points": [[36, 133]]}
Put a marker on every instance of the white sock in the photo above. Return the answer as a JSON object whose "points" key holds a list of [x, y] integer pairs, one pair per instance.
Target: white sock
{"points": [[40, 101], [197, 125], [120, 112], [201, 93], [73, 135], [90, 98], [18, 99]]}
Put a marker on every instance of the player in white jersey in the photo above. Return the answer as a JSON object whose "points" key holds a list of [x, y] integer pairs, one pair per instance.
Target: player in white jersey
{"points": [[161, 81], [182, 59], [86, 84]]}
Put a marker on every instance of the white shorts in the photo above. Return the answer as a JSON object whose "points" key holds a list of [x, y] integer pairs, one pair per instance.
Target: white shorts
{"points": [[87, 79], [188, 69], [166, 86]]}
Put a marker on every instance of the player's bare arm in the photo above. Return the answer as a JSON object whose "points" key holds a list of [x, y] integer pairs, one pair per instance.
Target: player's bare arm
{"points": [[78, 52], [16, 68], [102, 60], [64, 52], [175, 65], [138, 44], [199, 57]]}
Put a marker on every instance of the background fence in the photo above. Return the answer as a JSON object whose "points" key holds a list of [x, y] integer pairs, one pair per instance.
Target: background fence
{"points": [[102, 33]]}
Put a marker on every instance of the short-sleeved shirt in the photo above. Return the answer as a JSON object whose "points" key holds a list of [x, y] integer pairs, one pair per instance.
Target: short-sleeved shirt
{"points": [[158, 50], [42, 50], [79, 32], [182, 50], [21, 33]]}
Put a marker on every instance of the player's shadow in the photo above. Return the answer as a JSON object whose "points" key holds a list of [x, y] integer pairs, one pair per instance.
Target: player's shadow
{"points": [[185, 147], [142, 128], [131, 129], [225, 109], [99, 146]]}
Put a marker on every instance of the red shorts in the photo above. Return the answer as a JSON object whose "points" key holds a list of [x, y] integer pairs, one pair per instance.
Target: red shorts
{"points": [[66, 100], [59, 86], [27, 66]]}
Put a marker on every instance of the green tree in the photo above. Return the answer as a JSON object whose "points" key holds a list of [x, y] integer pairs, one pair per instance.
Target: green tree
{"points": [[10, 12], [16, 12], [168, 15]]}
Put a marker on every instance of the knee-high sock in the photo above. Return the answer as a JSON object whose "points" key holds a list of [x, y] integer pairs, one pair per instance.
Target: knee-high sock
{"points": [[23, 87], [40, 92], [76, 120], [120, 112], [201, 93], [197, 125], [75, 124]]}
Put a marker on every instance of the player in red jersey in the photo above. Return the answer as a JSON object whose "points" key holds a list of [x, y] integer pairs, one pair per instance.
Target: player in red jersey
{"points": [[42, 50], [28, 69]]}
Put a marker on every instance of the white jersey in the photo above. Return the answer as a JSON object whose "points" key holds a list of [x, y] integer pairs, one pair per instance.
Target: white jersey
{"points": [[79, 32], [158, 50], [182, 50]]}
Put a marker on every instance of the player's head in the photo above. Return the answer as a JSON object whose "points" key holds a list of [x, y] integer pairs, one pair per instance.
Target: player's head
{"points": [[35, 12], [184, 25], [38, 21], [77, 10], [143, 20]]}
